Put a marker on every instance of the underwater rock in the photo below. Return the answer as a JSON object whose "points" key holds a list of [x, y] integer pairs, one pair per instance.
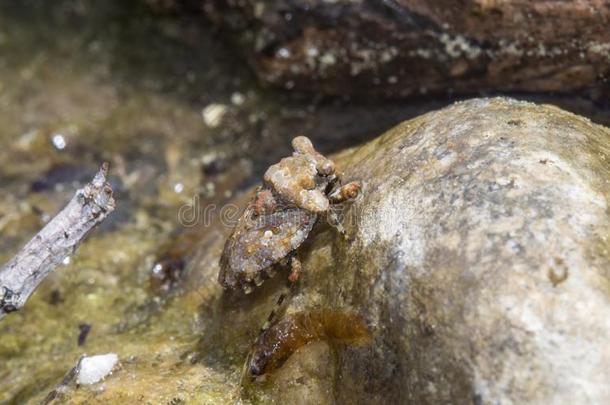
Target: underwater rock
{"points": [[399, 48], [478, 256]]}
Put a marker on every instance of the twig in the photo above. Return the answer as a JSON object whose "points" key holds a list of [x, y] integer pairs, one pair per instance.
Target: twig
{"points": [[55, 242], [65, 382]]}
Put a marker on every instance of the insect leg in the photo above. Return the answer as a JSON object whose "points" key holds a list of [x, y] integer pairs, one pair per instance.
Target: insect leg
{"points": [[271, 319], [295, 270], [333, 218], [273, 315]]}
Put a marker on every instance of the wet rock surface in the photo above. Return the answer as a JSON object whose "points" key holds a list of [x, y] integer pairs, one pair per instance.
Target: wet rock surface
{"points": [[410, 47], [477, 256], [480, 254]]}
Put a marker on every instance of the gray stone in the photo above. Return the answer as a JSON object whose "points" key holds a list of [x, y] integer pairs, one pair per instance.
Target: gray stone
{"points": [[478, 254]]}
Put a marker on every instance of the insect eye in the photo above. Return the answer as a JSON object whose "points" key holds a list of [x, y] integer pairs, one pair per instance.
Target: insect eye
{"points": [[325, 168]]}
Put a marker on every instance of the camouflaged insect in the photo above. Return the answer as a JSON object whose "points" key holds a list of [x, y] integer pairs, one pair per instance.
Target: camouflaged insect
{"points": [[280, 216]]}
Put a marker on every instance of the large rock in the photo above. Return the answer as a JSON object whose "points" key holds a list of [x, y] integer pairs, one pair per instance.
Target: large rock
{"points": [[478, 255], [404, 47]]}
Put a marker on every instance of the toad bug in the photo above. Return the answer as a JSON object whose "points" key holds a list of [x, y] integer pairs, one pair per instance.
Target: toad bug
{"points": [[279, 217]]}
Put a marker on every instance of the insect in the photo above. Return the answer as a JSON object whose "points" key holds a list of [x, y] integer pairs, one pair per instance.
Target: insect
{"points": [[279, 217]]}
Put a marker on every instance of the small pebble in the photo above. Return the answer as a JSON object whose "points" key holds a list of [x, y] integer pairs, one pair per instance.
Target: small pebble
{"points": [[59, 141], [94, 369], [283, 53], [237, 98], [213, 114]]}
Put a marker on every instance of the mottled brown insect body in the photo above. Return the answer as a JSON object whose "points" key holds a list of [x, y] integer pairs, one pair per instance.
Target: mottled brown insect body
{"points": [[260, 242], [280, 216]]}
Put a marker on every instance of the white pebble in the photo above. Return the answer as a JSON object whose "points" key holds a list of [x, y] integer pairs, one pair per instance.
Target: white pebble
{"points": [[213, 114], [328, 59], [95, 368], [312, 51], [158, 268], [237, 98], [59, 141], [283, 53]]}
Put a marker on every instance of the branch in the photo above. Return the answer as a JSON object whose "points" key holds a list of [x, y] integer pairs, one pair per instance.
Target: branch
{"points": [[55, 242], [63, 385]]}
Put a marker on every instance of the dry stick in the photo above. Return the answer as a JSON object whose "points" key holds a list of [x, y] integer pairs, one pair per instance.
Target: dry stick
{"points": [[55, 242], [65, 382]]}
